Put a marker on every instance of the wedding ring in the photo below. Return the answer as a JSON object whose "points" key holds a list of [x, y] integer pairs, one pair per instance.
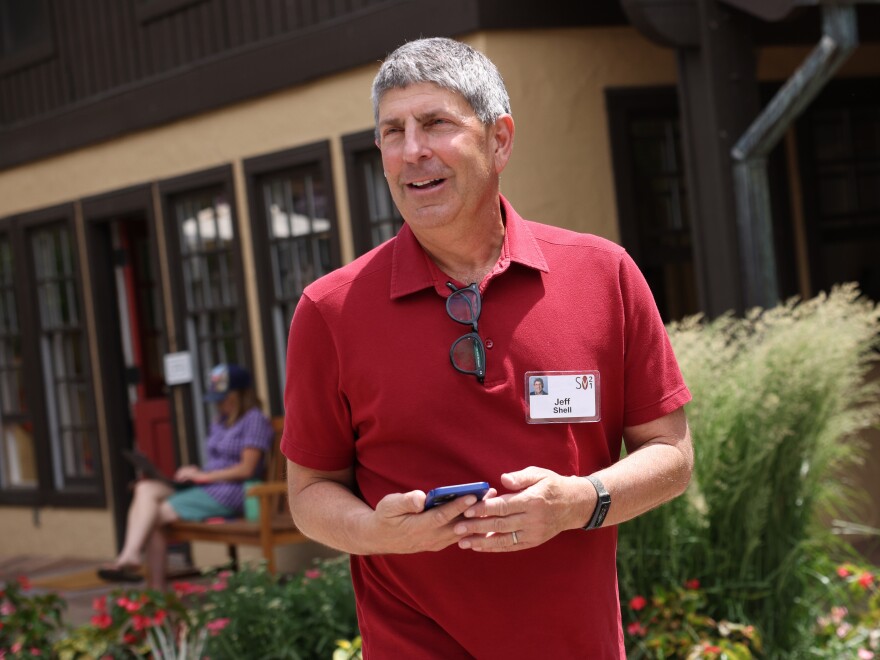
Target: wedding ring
{"points": [[515, 540]]}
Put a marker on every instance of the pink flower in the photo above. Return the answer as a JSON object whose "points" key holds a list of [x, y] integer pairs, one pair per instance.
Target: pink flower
{"points": [[865, 654], [35, 651], [15, 648], [843, 571], [692, 584], [838, 613], [843, 629], [638, 603], [313, 574], [865, 579], [215, 626], [7, 608], [636, 629], [102, 620], [219, 586], [100, 604]]}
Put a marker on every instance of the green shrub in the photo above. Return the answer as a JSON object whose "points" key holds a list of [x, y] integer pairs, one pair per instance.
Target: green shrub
{"points": [[779, 397], [28, 624]]}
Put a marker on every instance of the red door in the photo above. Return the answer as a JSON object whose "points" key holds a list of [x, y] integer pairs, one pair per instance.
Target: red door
{"points": [[140, 313]]}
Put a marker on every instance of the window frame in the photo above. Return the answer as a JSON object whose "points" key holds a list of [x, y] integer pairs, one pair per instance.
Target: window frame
{"points": [[38, 51], [92, 494], [256, 169]]}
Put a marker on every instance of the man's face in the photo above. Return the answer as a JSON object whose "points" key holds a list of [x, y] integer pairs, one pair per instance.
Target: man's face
{"points": [[441, 162], [539, 386]]}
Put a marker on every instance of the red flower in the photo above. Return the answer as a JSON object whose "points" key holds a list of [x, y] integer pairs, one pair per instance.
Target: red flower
{"points": [[102, 620], [160, 617], [35, 651], [130, 638], [24, 582], [313, 574], [843, 571], [100, 604], [141, 622], [692, 584], [636, 629], [865, 579], [215, 626], [711, 649], [638, 603]]}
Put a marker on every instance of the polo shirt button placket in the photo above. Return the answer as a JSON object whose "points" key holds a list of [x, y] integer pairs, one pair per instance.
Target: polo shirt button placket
{"points": [[489, 344]]}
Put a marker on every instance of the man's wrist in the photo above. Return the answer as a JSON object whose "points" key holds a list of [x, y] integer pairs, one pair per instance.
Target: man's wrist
{"points": [[603, 503]]}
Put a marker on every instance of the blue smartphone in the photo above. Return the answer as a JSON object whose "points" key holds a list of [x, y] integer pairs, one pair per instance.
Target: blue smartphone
{"points": [[445, 494]]}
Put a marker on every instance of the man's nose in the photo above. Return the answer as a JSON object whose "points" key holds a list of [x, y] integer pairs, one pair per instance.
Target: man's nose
{"points": [[415, 146]]}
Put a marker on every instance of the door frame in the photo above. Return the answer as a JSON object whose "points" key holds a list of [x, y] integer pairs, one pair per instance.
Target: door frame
{"points": [[98, 213]]}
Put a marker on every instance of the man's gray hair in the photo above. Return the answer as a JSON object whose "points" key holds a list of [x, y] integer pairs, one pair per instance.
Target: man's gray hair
{"points": [[448, 64]]}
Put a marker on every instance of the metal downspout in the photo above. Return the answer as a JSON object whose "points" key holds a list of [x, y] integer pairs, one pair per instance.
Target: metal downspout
{"points": [[751, 185]]}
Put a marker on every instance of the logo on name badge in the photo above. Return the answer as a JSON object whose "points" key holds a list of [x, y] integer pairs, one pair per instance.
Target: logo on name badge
{"points": [[565, 397]]}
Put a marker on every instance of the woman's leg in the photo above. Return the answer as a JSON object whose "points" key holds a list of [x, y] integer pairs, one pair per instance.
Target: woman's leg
{"points": [[157, 548], [143, 517]]}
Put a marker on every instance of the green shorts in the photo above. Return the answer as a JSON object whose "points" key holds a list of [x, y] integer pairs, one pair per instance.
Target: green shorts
{"points": [[195, 504]]}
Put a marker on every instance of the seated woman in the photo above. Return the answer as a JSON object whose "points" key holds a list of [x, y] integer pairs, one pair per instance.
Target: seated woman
{"points": [[237, 442]]}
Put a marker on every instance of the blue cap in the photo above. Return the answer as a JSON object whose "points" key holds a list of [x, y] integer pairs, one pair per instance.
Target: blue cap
{"points": [[226, 378]]}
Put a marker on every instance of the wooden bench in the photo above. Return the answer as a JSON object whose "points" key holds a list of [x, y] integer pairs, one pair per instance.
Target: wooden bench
{"points": [[275, 526]]}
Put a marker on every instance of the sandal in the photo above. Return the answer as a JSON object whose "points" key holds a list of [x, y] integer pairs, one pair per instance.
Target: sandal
{"points": [[122, 574]]}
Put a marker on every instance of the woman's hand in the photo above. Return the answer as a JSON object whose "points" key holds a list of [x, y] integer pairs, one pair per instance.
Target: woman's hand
{"points": [[191, 473]]}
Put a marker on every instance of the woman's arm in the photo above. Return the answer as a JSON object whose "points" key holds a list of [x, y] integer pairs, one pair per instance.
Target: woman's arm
{"points": [[244, 469]]}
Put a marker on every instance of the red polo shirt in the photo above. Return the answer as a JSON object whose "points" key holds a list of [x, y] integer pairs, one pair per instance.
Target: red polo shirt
{"points": [[369, 384]]}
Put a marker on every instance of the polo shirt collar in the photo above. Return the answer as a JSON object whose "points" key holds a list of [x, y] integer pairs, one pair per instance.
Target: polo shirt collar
{"points": [[412, 269]]}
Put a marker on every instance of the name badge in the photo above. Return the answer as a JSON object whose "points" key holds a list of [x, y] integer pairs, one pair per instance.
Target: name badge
{"points": [[562, 397]]}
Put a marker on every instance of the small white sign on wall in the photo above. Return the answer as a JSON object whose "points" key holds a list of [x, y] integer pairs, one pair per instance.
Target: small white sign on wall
{"points": [[178, 368]]}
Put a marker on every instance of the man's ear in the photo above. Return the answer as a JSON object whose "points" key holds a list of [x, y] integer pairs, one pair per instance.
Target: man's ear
{"points": [[503, 131]]}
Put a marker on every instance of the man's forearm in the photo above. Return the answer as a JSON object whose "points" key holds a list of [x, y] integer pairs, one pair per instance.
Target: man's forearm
{"points": [[329, 513]]}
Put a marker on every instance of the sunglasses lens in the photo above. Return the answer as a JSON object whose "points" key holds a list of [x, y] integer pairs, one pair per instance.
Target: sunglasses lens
{"points": [[468, 355], [464, 305]]}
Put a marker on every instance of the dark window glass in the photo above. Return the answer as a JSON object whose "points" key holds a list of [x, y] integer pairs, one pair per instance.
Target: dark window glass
{"points": [[64, 358], [23, 24], [841, 145], [662, 215], [214, 306], [18, 462], [296, 206]]}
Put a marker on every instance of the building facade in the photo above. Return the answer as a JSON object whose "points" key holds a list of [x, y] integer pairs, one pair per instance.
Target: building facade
{"points": [[173, 173]]}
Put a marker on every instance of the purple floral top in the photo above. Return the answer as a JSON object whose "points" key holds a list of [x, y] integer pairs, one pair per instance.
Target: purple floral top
{"points": [[224, 447]]}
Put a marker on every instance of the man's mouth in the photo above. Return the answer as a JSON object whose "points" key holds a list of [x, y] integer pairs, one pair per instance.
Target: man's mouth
{"points": [[427, 183]]}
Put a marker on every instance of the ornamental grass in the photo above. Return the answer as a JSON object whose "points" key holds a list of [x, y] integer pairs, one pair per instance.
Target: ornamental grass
{"points": [[779, 400]]}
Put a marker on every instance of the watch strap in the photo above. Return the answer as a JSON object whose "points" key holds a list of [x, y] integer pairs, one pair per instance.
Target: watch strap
{"points": [[603, 503]]}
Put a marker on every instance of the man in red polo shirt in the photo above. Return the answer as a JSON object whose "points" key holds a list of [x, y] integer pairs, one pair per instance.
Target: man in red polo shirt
{"points": [[411, 368]]}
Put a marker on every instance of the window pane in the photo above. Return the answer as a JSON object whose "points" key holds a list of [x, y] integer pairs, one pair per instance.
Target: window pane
{"points": [[214, 325], [18, 464], [63, 354]]}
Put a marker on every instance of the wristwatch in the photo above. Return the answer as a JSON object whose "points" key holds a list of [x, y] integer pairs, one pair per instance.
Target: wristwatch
{"points": [[602, 504]]}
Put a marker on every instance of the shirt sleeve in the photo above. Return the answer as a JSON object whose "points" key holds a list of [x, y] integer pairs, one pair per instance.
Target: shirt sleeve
{"points": [[318, 431], [653, 383]]}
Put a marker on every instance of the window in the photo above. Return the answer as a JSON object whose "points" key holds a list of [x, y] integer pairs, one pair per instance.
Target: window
{"points": [[18, 461], [839, 148], [64, 359], [295, 240], [214, 315], [651, 195], [375, 218]]}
